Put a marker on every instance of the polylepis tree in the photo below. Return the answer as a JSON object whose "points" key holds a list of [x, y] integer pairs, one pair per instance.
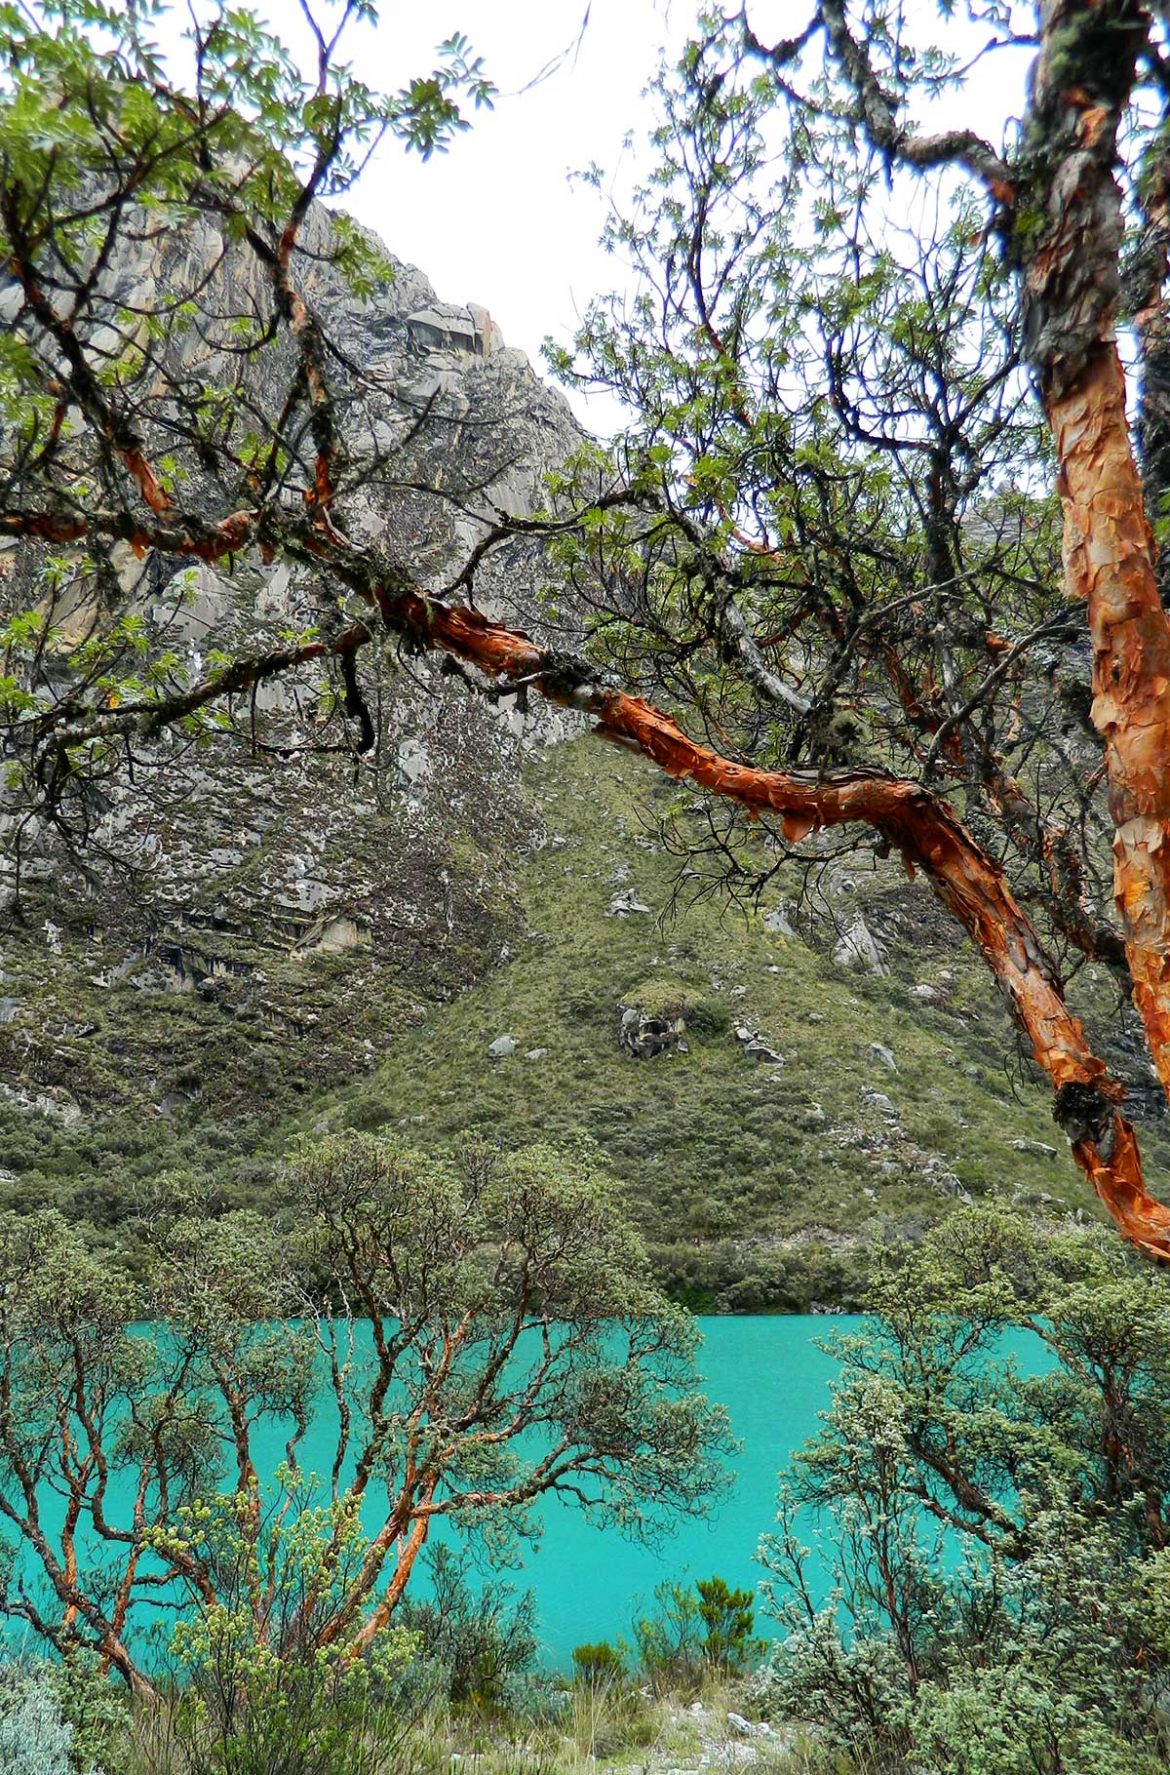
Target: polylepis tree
{"points": [[829, 538]]}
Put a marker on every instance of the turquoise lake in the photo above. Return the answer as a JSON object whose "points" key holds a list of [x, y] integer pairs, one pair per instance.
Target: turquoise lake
{"points": [[590, 1582]]}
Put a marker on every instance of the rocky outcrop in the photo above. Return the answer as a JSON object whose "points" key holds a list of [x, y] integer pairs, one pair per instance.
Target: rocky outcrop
{"points": [[236, 867]]}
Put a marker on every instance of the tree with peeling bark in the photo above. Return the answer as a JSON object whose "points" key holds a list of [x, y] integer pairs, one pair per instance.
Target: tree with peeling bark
{"points": [[997, 1530], [861, 548], [430, 1339], [844, 540]]}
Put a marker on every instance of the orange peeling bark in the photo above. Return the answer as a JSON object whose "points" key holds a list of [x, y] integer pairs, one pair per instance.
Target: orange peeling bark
{"points": [[1109, 562]]}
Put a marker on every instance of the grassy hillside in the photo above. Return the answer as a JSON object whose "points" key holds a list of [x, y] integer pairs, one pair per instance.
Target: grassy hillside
{"points": [[759, 1182]]}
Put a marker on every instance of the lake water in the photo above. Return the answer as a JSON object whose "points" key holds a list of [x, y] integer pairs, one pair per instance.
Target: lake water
{"points": [[774, 1381], [589, 1581]]}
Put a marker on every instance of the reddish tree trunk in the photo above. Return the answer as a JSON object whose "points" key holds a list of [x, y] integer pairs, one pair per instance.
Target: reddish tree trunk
{"points": [[1082, 83]]}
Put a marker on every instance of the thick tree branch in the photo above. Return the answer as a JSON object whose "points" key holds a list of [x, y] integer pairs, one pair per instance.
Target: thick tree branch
{"points": [[925, 830]]}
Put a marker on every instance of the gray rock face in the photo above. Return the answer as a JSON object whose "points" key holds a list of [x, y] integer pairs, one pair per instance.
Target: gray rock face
{"points": [[271, 847], [779, 921], [859, 948]]}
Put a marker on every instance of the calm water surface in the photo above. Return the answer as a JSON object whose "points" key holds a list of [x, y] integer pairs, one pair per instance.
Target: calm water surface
{"points": [[590, 1582], [774, 1381]]}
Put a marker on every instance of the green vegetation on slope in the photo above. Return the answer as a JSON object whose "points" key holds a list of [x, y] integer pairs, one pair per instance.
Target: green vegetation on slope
{"points": [[758, 1185]]}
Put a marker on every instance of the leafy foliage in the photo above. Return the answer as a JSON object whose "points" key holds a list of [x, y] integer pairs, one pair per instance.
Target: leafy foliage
{"points": [[184, 404], [511, 1344], [697, 1631], [256, 1693], [998, 1530], [481, 1637]]}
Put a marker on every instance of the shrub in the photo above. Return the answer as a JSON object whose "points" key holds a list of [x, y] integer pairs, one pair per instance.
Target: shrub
{"points": [[35, 1736], [599, 1665], [258, 1693], [997, 1537], [728, 1617], [481, 1638], [696, 1632]]}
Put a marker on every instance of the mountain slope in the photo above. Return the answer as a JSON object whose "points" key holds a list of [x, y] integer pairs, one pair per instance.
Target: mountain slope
{"points": [[758, 1183]]}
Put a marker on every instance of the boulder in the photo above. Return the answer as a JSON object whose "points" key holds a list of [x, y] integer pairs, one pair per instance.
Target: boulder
{"points": [[626, 905], [646, 1034], [1037, 1147], [859, 948], [778, 921], [502, 1048]]}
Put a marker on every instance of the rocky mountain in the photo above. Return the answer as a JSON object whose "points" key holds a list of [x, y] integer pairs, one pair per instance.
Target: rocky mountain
{"points": [[223, 884], [470, 926]]}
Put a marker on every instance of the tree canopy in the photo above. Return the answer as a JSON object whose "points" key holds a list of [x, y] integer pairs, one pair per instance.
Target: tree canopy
{"points": [[994, 1508], [453, 1336]]}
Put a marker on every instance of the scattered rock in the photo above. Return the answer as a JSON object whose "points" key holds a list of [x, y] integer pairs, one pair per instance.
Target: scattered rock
{"points": [[879, 1101], [644, 1034], [926, 993], [811, 1116], [626, 905], [737, 1723], [947, 1182], [760, 1051], [1037, 1147], [778, 921], [859, 948], [535, 1053], [502, 1048], [884, 1054]]}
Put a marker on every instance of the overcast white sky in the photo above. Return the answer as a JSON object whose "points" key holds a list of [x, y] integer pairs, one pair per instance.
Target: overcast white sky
{"points": [[496, 220]]}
